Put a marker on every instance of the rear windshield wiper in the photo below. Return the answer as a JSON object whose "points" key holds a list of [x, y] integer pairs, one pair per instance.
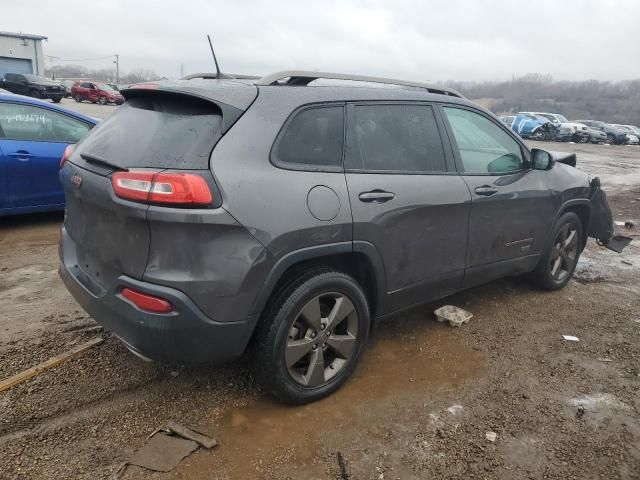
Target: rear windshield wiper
{"points": [[101, 161]]}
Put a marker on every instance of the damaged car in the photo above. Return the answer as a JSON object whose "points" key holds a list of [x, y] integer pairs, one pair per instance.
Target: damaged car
{"points": [[531, 126], [209, 217]]}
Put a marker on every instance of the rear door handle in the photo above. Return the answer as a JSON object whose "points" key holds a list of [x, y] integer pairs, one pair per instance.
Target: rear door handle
{"points": [[378, 196], [486, 190], [21, 155]]}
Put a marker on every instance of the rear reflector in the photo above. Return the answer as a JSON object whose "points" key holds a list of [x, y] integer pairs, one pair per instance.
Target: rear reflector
{"points": [[66, 154], [147, 302], [154, 187]]}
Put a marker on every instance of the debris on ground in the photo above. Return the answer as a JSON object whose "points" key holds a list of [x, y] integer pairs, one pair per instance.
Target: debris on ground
{"points": [[580, 412], [46, 365], [618, 243], [627, 262], [454, 315], [455, 409], [570, 338], [491, 436], [343, 468], [167, 446]]}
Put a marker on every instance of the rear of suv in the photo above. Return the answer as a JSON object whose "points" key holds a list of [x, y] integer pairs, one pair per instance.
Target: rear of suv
{"points": [[208, 215]]}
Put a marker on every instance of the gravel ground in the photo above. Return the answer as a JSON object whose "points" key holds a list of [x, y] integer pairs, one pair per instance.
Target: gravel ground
{"points": [[419, 406]]}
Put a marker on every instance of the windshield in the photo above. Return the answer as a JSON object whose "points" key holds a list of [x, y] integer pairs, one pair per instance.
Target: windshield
{"points": [[562, 118], [548, 116], [106, 88], [33, 78]]}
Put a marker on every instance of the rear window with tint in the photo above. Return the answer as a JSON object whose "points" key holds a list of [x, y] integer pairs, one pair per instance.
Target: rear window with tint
{"points": [[401, 138], [159, 131], [313, 139]]}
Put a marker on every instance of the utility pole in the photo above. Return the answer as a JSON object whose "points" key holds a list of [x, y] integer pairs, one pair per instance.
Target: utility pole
{"points": [[117, 62], [181, 70]]}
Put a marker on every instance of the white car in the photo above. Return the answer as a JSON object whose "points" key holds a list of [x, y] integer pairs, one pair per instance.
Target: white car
{"points": [[567, 130]]}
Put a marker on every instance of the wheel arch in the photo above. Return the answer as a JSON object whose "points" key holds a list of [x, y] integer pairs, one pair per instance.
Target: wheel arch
{"points": [[582, 208], [357, 259]]}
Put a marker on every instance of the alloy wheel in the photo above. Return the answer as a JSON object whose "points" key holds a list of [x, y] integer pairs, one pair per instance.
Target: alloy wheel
{"points": [[564, 253], [322, 339]]}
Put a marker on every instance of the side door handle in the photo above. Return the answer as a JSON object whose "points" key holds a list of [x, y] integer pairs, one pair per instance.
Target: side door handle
{"points": [[486, 190], [21, 155], [378, 196]]}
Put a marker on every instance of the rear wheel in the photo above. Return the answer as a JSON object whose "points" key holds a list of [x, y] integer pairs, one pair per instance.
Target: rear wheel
{"points": [[560, 257], [103, 100], [312, 336]]}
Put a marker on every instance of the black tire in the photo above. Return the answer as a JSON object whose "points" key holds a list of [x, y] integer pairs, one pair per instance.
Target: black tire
{"points": [[77, 98], [611, 139], [34, 93], [547, 274], [103, 100], [274, 336], [56, 100]]}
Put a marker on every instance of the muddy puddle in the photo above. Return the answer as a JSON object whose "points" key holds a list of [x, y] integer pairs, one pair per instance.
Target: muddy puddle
{"points": [[403, 360]]}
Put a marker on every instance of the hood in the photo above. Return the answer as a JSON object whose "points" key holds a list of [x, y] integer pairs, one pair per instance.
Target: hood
{"points": [[581, 126], [45, 82]]}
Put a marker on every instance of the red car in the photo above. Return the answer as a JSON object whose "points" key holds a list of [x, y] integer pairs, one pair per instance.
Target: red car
{"points": [[96, 93]]}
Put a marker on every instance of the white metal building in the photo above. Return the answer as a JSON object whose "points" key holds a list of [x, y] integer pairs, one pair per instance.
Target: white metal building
{"points": [[21, 53]]}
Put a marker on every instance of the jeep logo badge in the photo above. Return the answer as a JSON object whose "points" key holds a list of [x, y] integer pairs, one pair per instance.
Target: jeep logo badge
{"points": [[76, 180]]}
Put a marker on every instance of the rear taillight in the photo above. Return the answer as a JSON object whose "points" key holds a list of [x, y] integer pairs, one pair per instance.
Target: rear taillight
{"points": [[66, 154], [154, 187], [147, 302]]}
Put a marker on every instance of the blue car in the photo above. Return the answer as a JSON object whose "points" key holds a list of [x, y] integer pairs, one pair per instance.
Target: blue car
{"points": [[33, 136], [530, 126]]}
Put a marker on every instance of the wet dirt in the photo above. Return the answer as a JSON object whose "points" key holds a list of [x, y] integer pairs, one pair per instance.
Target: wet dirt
{"points": [[418, 406], [401, 363]]}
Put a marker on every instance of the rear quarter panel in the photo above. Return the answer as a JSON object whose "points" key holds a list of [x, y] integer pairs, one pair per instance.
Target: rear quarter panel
{"points": [[271, 202]]}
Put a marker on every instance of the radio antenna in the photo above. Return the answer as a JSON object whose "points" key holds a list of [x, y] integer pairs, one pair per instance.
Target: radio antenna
{"points": [[218, 74]]}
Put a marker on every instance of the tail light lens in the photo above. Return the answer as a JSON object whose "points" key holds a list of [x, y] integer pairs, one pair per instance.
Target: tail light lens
{"points": [[147, 302], [168, 188], [66, 154]]}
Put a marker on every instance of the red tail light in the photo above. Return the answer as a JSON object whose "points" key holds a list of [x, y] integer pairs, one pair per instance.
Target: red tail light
{"points": [[147, 302], [154, 187], [66, 154]]}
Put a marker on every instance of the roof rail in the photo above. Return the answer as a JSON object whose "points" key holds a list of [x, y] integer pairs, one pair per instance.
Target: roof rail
{"points": [[302, 77], [213, 76]]}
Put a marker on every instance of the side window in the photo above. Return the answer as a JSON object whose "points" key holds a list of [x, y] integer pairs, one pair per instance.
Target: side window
{"points": [[312, 138], [26, 122], [85, 85], [483, 146], [402, 138]]}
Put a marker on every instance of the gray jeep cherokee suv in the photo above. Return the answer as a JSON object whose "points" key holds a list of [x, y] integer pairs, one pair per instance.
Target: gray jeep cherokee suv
{"points": [[205, 215]]}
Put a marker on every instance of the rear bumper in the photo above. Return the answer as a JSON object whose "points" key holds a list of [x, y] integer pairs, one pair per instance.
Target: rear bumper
{"points": [[185, 335]]}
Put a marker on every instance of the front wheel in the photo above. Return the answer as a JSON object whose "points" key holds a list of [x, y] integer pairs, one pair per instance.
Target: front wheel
{"points": [[311, 336], [559, 260], [56, 99], [77, 98], [34, 93], [103, 100], [611, 139]]}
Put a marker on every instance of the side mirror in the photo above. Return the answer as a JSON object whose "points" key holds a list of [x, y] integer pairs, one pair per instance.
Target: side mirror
{"points": [[542, 160]]}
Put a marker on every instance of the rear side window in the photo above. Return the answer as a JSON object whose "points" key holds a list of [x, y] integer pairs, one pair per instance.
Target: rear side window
{"points": [[312, 139], [159, 131], [401, 138], [28, 122]]}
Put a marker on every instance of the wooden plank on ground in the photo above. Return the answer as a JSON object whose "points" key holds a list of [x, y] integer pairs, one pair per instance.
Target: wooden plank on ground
{"points": [[52, 362]]}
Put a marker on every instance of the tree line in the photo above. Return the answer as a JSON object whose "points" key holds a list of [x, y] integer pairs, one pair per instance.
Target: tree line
{"points": [[100, 75], [610, 102]]}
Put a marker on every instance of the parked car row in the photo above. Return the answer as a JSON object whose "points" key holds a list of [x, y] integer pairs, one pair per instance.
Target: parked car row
{"points": [[39, 87], [553, 126]]}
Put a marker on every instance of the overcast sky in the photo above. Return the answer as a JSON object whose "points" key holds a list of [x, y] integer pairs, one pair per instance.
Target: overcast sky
{"points": [[418, 40]]}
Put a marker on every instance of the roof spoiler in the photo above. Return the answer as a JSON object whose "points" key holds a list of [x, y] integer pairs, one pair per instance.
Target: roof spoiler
{"points": [[302, 77]]}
